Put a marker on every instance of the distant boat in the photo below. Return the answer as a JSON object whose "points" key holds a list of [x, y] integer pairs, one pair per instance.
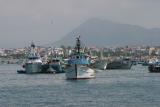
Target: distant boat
{"points": [[145, 63], [140, 62], [78, 64], [101, 63], [134, 62], [33, 63], [54, 65], [21, 71], [154, 67], [122, 63]]}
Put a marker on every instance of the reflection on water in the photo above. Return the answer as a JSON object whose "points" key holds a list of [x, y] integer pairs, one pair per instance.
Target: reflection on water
{"points": [[110, 88]]}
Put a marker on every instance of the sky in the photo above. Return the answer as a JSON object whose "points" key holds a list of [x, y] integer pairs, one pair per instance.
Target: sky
{"points": [[47, 21]]}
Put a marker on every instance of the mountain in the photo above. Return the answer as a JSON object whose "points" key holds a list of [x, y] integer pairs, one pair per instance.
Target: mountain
{"points": [[103, 33]]}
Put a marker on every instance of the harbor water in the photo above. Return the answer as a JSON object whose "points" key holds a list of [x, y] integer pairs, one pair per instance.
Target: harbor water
{"points": [[110, 88]]}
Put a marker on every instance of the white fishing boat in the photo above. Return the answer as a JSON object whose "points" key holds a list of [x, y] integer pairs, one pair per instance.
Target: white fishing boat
{"points": [[78, 65], [34, 62]]}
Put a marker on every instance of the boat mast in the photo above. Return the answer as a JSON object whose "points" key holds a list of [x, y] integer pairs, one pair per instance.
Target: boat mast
{"points": [[78, 44], [32, 49]]}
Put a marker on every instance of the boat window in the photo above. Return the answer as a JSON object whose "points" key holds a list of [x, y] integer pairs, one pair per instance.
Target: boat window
{"points": [[57, 60], [77, 57], [32, 58]]}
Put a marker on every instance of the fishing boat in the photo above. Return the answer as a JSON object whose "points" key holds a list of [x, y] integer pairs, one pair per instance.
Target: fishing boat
{"points": [[154, 66], [145, 63], [134, 62], [78, 64], [101, 63], [33, 63], [122, 63], [54, 65]]}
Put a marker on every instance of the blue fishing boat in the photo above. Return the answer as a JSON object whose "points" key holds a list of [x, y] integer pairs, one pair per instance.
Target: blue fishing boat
{"points": [[78, 64]]}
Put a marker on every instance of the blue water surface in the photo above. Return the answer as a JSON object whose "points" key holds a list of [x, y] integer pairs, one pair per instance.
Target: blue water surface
{"points": [[110, 88]]}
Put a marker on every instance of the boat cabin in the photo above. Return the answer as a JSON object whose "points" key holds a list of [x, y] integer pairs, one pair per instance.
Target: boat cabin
{"points": [[79, 59]]}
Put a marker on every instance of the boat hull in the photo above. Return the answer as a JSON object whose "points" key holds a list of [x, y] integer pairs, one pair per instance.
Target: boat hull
{"points": [[102, 65], [57, 68], [119, 65], [33, 68], [21, 71], [154, 69], [79, 72], [52, 68]]}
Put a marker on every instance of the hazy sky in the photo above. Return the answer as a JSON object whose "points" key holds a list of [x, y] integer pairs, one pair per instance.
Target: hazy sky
{"points": [[46, 21]]}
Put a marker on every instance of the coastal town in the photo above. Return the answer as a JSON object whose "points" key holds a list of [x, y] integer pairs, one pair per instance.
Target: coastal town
{"points": [[79, 53], [139, 53]]}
